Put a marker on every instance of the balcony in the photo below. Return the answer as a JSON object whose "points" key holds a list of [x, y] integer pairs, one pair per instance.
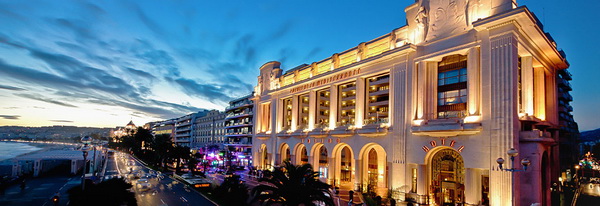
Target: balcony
{"points": [[382, 80], [566, 96], [239, 124], [535, 136], [347, 108], [322, 98], [238, 115], [232, 107], [566, 74], [348, 98], [446, 128], [347, 89], [320, 131], [343, 129], [380, 92], [564, 84], [379, 103], [374, 127]]}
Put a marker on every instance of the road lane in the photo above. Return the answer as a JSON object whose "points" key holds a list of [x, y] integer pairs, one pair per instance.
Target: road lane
{"points": [[164, 190]]}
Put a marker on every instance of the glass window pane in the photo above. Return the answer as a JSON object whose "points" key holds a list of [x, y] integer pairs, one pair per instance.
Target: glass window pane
{"points": [[452, 73], [463, 99], [452, 93], [463, 71], [441, 102], [441, 75], [440, 95], [452, 80], [440, 82], [463, 78]]}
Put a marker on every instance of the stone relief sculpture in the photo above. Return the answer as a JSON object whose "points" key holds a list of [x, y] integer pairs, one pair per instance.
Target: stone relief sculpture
{"points": [[422, 24], [258, 88], [274, 80], [472, 11], [447, 18]]}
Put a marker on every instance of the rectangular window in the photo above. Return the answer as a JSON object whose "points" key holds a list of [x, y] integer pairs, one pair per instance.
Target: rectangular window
{"points": [[303, 105], [287, 114], [377, 96], [346, 103], [322, 115], [452, 87]]}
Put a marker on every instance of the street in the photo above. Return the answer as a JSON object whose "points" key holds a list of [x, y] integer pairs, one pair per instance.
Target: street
{"points": [[163, 190]]}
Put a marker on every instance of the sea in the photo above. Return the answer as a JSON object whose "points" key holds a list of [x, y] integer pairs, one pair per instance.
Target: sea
{"points": [[10, 150]]}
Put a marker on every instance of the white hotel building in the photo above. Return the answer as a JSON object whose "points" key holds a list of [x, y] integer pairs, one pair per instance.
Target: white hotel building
{"points": [[426, 110]]}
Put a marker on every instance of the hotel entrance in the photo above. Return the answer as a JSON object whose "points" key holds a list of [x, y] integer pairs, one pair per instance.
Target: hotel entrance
{"points": [[447, 177]]}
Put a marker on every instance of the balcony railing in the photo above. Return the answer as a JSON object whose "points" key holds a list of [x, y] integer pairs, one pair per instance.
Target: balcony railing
{"points": [[375, 121]]}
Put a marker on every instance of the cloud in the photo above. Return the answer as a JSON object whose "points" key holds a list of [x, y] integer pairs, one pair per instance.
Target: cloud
{"points": [[11, 88], [60, 120], [208, 92], [141, 73], [12, 117], [45, 99]]}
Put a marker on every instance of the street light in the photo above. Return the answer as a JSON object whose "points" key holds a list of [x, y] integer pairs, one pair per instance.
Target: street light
{"points": [[512, 152], [85, 140]]}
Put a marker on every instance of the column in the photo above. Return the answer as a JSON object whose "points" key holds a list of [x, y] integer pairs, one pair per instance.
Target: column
{"points": [[504, 120], [473, 85], [275, 119], [360, 102], [312, 107], [331, 177], [431, 90], [421, 89], [527, 85], [333, 106], [295, 108], [358, 177], [539, 81]]}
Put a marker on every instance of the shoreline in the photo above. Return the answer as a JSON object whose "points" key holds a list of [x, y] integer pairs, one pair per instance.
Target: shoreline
{"points": [[43, 147]]}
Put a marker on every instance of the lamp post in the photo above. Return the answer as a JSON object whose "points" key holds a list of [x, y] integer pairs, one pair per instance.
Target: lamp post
{"points": [[512, 152], [85, 140]]}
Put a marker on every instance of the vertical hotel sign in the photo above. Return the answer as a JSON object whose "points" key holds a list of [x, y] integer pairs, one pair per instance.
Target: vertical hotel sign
{"points": [[327, 80]]}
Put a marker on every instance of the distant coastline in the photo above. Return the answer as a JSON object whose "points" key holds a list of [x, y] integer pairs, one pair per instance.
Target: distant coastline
{"points": [[10, 149]]}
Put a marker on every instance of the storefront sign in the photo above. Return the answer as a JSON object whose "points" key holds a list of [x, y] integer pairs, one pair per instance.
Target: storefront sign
{"points": [[434, 144], [324, 81]]}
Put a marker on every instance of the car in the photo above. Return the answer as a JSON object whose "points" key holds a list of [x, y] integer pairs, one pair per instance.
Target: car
{"points": [[143, 184]]}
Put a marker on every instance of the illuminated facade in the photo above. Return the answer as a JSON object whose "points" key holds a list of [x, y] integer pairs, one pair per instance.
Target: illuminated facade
{"points": [[425, 110], [238, 126], [209, 130]]}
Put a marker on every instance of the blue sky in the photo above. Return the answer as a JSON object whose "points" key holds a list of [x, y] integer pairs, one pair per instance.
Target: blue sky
{"points": [[102, 63]]}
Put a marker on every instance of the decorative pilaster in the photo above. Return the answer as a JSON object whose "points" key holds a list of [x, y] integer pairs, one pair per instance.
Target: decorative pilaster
{"points": [[504, 119], [359, 108], [431, 93], [539, 81], [312, 107], [421, 89], [473, 85], [527, 93], [333, 105], [295, 109], [398, 111]]}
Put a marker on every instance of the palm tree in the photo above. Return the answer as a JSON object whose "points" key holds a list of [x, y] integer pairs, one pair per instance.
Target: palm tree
{"points": [[293, 185]]}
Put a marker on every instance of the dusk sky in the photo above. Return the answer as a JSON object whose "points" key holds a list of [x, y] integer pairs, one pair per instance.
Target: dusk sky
{"points": [[103, 63]]}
